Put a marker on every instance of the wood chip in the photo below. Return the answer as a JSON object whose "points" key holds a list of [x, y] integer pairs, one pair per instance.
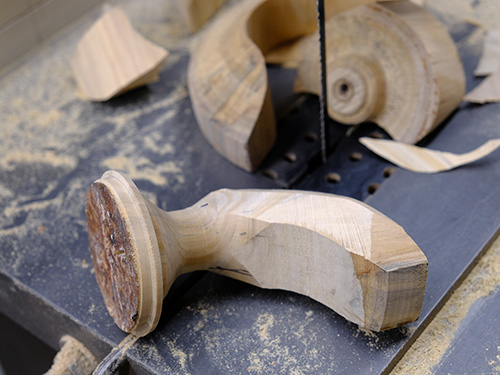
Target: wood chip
{"points": [[488, 91], [489, 62], [112, 57], [422, 160]]}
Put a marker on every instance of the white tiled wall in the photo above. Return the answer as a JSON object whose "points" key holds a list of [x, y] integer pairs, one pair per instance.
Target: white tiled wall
{"points": [[25, 23]]}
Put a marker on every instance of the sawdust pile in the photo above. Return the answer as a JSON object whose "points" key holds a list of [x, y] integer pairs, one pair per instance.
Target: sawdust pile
{"points": [[439, 336], [73, 358]]}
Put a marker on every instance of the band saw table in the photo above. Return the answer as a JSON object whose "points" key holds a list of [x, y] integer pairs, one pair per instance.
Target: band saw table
{"points": [[54, 144]]}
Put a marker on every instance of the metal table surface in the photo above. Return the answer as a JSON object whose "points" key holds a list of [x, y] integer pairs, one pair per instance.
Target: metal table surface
{"points": [[54, 144]]}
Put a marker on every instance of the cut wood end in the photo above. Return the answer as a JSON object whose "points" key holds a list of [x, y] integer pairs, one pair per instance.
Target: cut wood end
{"points": [[391, 299], [112, 57], [113, 256], [393, 279], [124, 253]]}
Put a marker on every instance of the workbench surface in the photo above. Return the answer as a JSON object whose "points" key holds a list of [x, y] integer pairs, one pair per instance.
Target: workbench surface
{"points": [[54, 144]]}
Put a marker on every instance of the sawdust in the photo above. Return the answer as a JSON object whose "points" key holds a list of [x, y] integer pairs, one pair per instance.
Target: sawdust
{"points": [[169, 104], [144, 169], [262, 326], [373, 339], [44, 128], [147, 350], [73, 358], [154, 143], [178, 354], [273, 354], [10, 160], [438, 337], [12, 210], [272, 351], [495, 363]]}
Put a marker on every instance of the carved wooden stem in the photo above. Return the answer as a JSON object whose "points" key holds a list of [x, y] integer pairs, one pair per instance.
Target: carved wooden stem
{"points": [[333, 249]]}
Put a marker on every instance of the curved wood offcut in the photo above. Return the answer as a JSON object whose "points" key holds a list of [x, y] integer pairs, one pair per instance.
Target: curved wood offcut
{"points": [[112, 57], [227, 73], [391, 63], [333, 249]]}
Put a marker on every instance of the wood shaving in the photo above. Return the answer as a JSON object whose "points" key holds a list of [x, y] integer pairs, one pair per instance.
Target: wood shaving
{"points": [[490, 59], [422, 160], [489, 65], [487, 92]]}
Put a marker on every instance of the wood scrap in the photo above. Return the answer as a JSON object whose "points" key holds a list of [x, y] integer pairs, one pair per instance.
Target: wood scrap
{"points": [[392, 63], [72, 358], [488, 91], [423, 160], [197, 12], [227, 75], [113, 58], [489, 62], [334, 249]]}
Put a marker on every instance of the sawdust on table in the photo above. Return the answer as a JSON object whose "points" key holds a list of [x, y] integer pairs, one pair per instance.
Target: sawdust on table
{"points": [[178, 354], [272, 353], [438, 337], [73, 357]]}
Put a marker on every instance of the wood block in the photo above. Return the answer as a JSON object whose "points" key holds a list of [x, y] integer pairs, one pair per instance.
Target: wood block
{"points": [[113, 58]]}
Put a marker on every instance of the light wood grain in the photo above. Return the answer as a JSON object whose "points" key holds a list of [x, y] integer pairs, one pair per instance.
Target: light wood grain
{"points": [[227, 73], [334, 249], [489, 62], [423, 160], [488, 91], [391, 63], [112, 58], [197, 12]]}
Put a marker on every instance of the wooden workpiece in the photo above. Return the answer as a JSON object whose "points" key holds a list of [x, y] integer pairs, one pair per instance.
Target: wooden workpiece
{"points": [[391, 63], [333, 249], [227, 73], [197, 12], [113, 58]]}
